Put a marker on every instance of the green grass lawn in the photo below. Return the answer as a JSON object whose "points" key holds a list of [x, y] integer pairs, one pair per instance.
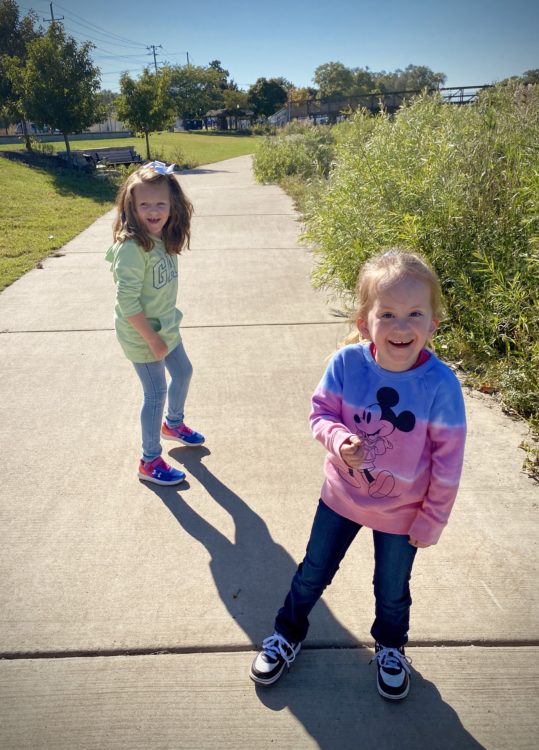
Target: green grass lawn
{"points": [[44, 206], [191, 148]]}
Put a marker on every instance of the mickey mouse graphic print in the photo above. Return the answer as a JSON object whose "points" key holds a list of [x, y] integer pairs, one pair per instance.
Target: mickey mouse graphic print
{"points": [[412, 427]]}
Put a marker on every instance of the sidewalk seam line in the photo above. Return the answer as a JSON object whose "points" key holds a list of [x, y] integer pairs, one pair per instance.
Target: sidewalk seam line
{"points": [[187, 327], [178, 650]]}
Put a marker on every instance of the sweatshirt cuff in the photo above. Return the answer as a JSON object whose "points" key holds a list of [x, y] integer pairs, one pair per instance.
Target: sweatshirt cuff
{"points": [[424, 530]]}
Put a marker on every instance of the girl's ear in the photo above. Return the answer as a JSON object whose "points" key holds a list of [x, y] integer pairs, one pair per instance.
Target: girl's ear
{"points": [[434, 323], [363, 330]]}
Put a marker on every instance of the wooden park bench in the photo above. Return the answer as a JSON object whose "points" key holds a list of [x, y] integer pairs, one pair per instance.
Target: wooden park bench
{"points": [[90, 158], [113, 155]]}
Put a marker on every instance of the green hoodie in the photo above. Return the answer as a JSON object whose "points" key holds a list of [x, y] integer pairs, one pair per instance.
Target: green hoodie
{"points": [[145, 282]]}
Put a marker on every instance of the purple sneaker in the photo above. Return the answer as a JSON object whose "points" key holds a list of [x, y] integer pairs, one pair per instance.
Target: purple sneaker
{"points": [[159, 472], [182, 434]]}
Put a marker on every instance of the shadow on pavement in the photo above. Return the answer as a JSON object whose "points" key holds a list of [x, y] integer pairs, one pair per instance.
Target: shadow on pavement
{"points": [[199, 170], [332, 692]]}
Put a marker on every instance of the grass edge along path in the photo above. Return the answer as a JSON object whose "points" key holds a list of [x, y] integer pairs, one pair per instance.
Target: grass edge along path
{"points": [[41, 211], [44, 207]]}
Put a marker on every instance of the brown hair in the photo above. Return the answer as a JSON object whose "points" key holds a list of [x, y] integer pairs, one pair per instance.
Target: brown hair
{"points": [[127, 226], [384, 269]]}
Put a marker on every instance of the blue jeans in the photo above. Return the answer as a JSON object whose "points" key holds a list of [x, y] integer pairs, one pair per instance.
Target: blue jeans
{"points": [[154, 385], [331, 535]]}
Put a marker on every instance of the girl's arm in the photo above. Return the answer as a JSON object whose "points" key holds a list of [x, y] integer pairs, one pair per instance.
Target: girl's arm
{"points": [[130, 269], [326, 414], [151, 337], [447, 433]]}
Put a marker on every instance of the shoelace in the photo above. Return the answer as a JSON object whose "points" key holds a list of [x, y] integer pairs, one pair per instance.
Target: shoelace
{"points": [[184, 428], [391, 658], [275, 645]]}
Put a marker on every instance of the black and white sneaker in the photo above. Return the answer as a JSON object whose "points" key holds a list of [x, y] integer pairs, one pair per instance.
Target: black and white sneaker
{"points": [[277, 653], [393, 678]]}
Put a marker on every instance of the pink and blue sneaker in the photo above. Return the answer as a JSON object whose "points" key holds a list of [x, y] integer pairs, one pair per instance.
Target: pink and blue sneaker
{"points": [[182, 434], [159, 472]]}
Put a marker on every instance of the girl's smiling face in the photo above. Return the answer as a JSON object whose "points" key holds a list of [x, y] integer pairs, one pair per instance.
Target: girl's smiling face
{"points": [[399, 322], [152, 206]]}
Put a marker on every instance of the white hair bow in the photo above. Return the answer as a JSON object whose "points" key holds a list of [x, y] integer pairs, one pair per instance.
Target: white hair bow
{"points": [[161, 167]]}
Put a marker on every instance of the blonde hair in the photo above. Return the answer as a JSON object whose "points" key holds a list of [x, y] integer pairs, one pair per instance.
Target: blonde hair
{"points": [[127, 226], [384, 269]]}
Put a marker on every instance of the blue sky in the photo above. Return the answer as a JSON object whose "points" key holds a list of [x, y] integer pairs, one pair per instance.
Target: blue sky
{"points": [[472, 41]]}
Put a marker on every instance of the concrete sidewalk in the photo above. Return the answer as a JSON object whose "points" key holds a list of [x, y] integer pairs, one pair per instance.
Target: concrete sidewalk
{"points": [[129, 612]]}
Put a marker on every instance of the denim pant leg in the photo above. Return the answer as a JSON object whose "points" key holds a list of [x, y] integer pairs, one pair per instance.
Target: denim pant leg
{"points": [[154, 385], [180, 370], [393, 561], [331, 535]]}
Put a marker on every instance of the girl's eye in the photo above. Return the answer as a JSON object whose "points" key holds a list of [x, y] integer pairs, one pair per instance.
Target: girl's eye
{"points": [[386, 315], [416, 314]]}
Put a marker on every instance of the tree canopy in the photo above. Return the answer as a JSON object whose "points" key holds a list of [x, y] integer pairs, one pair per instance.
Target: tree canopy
{"points": [[15, 35], [145, 105], [335, 79], [60, 83], [268, 95], [196, 89]]}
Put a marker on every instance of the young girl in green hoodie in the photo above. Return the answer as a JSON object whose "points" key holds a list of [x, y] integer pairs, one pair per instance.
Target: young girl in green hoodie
{"points": [[151, 228]]}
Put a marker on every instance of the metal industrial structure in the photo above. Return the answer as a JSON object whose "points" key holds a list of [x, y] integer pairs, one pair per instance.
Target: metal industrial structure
{"points": [[330, 109]]}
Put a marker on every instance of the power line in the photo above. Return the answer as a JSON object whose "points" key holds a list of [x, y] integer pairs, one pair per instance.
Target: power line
{"points": [[85, 22], [100, 39]]}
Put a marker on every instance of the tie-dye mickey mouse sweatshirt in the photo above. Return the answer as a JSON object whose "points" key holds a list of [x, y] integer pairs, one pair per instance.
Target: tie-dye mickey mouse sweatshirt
{"points": [[413, 428]]}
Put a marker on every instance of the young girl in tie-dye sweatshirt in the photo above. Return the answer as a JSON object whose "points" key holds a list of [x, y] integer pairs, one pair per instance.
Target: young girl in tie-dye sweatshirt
{"points": [[391, 416]]}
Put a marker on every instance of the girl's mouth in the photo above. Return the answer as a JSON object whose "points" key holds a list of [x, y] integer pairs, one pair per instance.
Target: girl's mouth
{"points": [[400, 343]]}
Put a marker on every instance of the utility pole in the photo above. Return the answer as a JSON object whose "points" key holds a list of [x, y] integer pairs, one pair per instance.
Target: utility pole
{"points": [[153, 48], [52, 19], [187, 53]]}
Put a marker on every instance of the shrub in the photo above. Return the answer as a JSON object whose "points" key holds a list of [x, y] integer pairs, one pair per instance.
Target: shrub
{"points": [[298, 149]]}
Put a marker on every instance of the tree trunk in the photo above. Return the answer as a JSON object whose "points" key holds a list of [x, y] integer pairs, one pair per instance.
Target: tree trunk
{"points": [[26, 135], [147, 146], [68, 147]]}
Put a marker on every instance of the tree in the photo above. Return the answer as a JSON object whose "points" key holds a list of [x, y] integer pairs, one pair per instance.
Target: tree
{"points": [[284, 82], [300, 94], [145, 105], [15, 35], [531, 76], [412, 78], [236, 102], [333, 79], [267, 96], [363, 82], [223, 74], [195, 89], [336, 80], [61, 83]]}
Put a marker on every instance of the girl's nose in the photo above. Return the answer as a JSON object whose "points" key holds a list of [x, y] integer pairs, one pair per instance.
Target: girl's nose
{"points": [[401, 324]]}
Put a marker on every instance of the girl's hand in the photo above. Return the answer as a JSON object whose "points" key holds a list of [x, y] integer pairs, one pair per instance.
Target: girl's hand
{"points": [[158, 347], [418, 544], [155, 342], [352, 452]]}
